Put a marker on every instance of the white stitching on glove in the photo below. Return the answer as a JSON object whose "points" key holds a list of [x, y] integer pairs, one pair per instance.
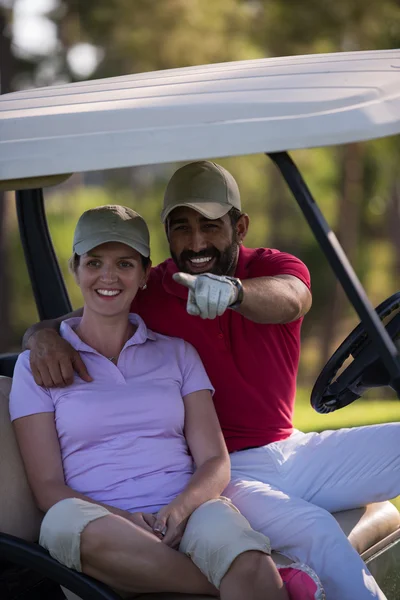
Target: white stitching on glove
{"points": [[209, 295]]}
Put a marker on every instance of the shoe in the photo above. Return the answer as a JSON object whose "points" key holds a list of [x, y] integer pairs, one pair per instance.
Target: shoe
{"points": [[301, 582]]}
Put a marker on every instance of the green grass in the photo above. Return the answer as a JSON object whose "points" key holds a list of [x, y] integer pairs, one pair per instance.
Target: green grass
{"points": [[361, 412], [396, 502]]}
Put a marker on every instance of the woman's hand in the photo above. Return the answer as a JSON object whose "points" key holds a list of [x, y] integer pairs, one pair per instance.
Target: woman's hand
{"points": [[145, 521], [170, 523]]}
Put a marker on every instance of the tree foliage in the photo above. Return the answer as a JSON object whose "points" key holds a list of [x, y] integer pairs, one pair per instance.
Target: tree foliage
{"points": [[358, 188]]}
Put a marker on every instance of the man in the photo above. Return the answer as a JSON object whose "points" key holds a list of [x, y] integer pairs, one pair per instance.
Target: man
{"points": [[242, 309]]}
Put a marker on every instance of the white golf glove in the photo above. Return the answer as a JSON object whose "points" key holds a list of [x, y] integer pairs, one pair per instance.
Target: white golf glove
{"points": [[209, 295]]}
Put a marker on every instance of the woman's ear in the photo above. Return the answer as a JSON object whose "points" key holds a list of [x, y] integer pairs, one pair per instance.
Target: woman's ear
{"points": [[73, 266], [146, 274]]}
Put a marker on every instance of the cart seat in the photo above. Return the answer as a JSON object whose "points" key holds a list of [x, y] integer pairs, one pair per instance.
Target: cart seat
{"points": [[369, 529]]}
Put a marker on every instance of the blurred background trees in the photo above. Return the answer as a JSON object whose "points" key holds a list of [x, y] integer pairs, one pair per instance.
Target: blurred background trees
{"points": [[357, 186]]}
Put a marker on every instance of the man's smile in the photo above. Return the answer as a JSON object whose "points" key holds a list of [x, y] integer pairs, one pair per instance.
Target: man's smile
{"points": [[200, 264]]}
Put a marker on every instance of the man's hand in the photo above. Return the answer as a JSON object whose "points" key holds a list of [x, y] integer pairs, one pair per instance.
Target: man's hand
{"points": [[170, 524], [209, 295], [53, 360]]}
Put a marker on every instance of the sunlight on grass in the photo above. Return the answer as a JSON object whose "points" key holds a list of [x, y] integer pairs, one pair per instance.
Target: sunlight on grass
{"points": [[396, 502]]}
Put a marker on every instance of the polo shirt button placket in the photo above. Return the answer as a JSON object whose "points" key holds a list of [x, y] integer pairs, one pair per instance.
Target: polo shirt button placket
{"points": [[220, 335]]}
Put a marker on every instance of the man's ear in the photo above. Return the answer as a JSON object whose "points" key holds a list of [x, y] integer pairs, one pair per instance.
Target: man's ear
{"points": [[242, 227]]}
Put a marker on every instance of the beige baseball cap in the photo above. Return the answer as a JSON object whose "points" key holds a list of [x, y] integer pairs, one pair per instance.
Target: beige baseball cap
{"points": [[204, 186], [111, 223]]}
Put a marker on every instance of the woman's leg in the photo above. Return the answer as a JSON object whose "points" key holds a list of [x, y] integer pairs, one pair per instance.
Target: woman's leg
{"points": [[234, 557], [113, 550], [253, 575], [132, 560]]}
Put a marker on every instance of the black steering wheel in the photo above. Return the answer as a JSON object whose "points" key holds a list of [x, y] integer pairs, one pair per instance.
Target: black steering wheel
{"points": [[334, 388]]}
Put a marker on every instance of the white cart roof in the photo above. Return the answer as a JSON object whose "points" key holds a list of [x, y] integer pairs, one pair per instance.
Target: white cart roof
{"points": [[227, 109]]}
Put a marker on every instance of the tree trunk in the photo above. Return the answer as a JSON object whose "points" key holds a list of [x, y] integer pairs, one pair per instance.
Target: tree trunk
{"points": [[276, 207], [6, 66], [347, 231], [394, 226]]}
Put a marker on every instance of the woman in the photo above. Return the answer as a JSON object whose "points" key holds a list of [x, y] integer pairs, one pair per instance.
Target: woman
{"points": [[111, 462]]}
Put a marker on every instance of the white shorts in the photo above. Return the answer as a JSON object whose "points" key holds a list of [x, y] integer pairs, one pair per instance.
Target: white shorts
{"points": [[215, 535]]}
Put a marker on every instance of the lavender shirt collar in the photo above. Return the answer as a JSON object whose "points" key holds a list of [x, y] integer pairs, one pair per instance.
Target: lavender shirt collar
{"points": [[141, 335]]}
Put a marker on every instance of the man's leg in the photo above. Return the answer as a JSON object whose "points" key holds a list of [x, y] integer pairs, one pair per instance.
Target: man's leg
{"points": [[343, 469], [306, 533], [336, 470]]}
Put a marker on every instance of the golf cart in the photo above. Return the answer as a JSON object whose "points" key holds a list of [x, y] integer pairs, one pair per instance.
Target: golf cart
{"points": [[246, 107]]}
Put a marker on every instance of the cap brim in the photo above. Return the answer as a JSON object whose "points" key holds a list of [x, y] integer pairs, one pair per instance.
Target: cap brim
{"points": [[210, 210], [94, 241]]}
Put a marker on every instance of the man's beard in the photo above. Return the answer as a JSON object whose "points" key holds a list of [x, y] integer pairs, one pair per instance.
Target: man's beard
{"points": [[224, 264]]}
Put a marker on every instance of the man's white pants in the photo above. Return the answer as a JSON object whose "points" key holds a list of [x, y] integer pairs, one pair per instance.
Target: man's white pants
{"points": [[288, 489]]}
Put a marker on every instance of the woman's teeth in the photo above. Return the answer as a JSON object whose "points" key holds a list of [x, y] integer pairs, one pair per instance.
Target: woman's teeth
{"points": [[108, 292]]}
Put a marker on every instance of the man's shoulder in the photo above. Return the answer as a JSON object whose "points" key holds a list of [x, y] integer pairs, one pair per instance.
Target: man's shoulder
{"points": [[158, 272], [251, 256], [269, 262]]}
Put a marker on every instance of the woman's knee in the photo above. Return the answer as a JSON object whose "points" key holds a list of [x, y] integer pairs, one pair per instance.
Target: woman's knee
{"points": [[62, 526], [217, 518], [216, 534]]}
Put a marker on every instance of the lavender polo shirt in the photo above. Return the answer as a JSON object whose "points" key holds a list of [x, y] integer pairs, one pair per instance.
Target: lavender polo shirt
{"points": [[121, 436]]}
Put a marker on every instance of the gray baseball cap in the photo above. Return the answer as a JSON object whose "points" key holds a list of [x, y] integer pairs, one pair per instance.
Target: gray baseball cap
{"points": [[204, 186], [111, 223]]}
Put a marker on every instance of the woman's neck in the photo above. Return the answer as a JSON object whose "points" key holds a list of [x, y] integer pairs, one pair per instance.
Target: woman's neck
{"points": [[107, 335]]}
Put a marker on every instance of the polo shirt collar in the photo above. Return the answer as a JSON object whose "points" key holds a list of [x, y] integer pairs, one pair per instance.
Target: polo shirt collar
{"points": [[176, 289], [171, 286], [141, 335], [242, 271]]}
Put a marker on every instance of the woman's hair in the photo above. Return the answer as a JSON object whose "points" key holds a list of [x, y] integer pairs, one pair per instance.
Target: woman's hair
{"points": [[73, 262]]}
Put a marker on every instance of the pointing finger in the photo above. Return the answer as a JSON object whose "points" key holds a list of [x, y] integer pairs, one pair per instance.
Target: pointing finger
{"points": [[191, 306], [185, 279]]}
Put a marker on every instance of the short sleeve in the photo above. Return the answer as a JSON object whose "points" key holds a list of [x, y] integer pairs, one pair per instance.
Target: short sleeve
{"points": [[26, 397], [270, 264], [194, 376]]}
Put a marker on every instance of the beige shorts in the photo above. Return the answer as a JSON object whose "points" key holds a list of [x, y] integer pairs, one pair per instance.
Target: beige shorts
{"points": [[215, 535]]}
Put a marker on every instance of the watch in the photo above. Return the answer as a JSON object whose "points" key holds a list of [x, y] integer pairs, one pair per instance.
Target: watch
{"points": [[239, 286]]}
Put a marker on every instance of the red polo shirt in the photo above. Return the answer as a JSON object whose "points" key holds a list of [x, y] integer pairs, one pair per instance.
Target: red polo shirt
{"points": [[253, 367]]}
